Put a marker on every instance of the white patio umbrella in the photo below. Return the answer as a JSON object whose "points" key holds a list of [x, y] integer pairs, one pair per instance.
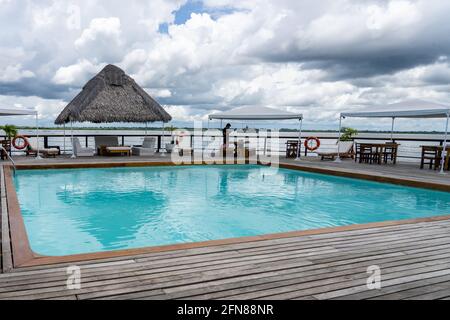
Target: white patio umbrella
{"points": [[405, 109], [260, 113]]}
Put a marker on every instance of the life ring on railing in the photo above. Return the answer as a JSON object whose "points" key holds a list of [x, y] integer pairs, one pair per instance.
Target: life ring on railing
{"points": [[20, 142], [312, 143]]}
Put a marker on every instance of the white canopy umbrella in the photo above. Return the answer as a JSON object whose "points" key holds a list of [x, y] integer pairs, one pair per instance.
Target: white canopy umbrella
{"points": [[19, 112], [260, 113], [405, 109]]}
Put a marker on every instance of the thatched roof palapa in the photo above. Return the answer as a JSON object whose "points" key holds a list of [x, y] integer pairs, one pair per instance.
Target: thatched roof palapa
{"points": [[112, 96]]}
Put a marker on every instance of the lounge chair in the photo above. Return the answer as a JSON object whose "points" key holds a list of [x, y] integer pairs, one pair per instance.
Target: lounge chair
{"points": [[32, 149], [345, 151], [147, 149], [107, 145], [79, 151]]}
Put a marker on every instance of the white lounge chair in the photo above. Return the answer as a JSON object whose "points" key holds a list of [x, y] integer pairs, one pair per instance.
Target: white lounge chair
{"points": [[79, 151], [147, 149], [345, 151]]}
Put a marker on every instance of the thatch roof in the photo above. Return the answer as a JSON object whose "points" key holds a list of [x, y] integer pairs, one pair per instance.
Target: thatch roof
{"points": [[112, 96]]}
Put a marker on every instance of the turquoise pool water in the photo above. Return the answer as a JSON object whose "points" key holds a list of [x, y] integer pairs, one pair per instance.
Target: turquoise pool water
{"points": [[91, 210]]}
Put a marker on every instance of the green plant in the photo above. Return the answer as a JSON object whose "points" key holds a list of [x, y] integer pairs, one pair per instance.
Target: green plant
{"points": [[10, 130], [348, 133]]}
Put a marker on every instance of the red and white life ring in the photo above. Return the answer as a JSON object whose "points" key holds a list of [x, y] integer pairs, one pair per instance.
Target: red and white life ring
{"points": [[20, 142], [312, 143]]}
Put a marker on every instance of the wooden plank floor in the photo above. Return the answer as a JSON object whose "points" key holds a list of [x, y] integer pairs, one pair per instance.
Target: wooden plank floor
{"points": [[414, 261]]}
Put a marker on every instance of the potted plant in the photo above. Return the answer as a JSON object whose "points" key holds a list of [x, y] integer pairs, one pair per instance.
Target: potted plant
{"points": [[348, 134], [10, 132]]}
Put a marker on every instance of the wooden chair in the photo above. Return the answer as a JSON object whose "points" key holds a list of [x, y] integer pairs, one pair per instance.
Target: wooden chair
{"points": [[7, 146], [431, 156], [365, 153], [390, 152], [292, 148]]}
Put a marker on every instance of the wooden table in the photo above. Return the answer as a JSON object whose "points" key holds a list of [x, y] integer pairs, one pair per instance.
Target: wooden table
{"points": [[377, 152], [434, 155], [103, 151]]}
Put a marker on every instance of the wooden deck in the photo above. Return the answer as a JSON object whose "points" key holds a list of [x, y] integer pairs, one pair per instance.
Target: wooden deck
{"points": [[414, 259], [415, 264]]}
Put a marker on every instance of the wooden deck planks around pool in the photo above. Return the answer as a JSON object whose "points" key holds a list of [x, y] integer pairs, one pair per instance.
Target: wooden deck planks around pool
{"points": [[318, 266]]}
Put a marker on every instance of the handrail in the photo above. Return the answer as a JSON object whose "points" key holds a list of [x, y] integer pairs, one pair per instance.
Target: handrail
{"points": [[10, 159], [161, 139]]}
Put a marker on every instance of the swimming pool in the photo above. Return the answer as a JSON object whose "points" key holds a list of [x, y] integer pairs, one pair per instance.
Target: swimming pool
{"points": [[71, 211]]}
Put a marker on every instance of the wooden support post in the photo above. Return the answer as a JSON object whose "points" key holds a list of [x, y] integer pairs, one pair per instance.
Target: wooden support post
{"points": [[159, 143]]}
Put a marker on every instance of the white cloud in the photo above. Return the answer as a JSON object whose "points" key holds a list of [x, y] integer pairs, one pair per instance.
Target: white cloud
{"points": [[159, 93], [318, 57], [183, 113], [395, 14], [100, 28], [14, 73], [76, 74]]}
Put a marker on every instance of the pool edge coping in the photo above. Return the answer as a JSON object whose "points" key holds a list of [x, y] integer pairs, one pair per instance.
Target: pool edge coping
{"points": [[23, 255]]}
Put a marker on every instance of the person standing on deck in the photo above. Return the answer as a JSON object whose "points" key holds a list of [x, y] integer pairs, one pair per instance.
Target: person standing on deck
{"points": [[226, 134], [226, 139]]}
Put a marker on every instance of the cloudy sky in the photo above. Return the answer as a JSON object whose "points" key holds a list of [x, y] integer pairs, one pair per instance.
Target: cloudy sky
{"points": [[198, 57]]}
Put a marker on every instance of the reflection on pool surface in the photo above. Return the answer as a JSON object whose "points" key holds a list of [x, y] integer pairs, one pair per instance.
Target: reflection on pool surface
{"points": [[90, 210]]}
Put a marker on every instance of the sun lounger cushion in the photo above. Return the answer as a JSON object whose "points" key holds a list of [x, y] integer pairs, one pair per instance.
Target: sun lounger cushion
{"points": [[149, 143], [344, 147], [118, 148], [33, 147], [147, 149]]}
